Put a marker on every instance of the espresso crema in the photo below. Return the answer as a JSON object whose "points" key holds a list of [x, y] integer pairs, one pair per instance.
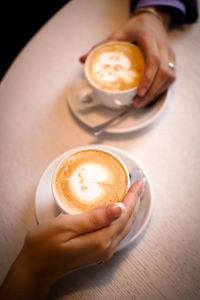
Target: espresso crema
{"points": [[116, 66], [90, 178]]}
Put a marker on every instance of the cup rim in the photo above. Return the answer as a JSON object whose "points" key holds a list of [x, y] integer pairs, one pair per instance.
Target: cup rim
{"points": [[69, 210], [91, 81]]}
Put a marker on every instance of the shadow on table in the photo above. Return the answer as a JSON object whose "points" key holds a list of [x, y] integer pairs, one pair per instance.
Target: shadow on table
{"points": [[121, 136], [95, 276]]}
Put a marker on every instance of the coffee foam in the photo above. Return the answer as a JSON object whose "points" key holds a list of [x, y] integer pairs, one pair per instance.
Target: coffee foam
{"points": [[116, 66], [90, 178], [112, 67], [86, 182]]}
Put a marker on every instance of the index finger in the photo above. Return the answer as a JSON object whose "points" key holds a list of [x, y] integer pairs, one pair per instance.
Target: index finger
{"points": [[130, 203], [107, 235], [92, 220], [133, 195]]}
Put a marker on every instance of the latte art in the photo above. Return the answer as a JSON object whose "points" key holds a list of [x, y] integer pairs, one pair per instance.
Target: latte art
{"points": [[88, 181], [113, 67], [116, 66], [89, 178]]}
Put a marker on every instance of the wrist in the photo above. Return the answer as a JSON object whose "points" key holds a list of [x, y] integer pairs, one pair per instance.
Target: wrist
{"points": [[160, 14], [36, 283], [21, 282], [166, 17]]}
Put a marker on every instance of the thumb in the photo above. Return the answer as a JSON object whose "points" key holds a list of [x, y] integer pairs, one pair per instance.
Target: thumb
{"points": [[83, 58], [94, 219], [134, 194]]}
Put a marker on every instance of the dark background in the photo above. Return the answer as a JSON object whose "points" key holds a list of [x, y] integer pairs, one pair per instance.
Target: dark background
{"points": [[19, 21]]}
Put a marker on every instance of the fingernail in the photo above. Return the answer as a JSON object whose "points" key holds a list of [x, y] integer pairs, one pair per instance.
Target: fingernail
{"points": [[141, 104], [122, 206], [115, 210], [82, 58], [142, 92], [144, 183], [135, 103], [138, 103], [142, 193]]}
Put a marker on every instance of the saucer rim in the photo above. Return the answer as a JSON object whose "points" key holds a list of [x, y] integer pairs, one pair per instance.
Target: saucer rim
{"points": [[123, 153], [161, 106]]}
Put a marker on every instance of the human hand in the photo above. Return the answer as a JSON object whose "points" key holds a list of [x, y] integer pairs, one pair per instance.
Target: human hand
{"points": [[68, 243], [150, 34]]}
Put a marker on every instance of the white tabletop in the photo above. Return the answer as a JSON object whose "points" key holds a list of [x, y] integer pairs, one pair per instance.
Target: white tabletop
{"points": [[36, 126]]}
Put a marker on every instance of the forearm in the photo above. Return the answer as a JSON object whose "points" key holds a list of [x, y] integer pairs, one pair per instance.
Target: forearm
{"points": [[21, 283]]}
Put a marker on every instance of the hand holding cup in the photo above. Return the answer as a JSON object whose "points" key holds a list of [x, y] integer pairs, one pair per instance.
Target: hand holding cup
{"points": [[68, 243]]}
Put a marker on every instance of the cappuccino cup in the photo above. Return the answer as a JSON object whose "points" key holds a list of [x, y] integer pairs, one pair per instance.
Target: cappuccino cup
{"points": [[88, 177], [113, 71]]}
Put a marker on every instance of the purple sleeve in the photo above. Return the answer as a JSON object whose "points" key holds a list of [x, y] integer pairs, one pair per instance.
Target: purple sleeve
{"points": [[176, 8]]}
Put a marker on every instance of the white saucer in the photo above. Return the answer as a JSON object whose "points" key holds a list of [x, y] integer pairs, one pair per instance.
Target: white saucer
{"points": [[136, 119], [46, 208]]}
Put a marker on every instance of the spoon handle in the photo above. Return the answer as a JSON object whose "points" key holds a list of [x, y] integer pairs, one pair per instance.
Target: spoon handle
{"points": [[100, 128]]}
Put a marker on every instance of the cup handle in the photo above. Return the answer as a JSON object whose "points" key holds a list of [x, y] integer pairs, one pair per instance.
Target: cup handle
{"points": [[86, 98]]}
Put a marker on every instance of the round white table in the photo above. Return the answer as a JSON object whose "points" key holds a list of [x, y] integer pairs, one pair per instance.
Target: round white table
{"points": [[36, 126]]}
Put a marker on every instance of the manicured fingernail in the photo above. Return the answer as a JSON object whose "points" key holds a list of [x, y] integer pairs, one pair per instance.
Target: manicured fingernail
{"points": [[115, 210], [122, 206], [142, 193], [144, 183]]}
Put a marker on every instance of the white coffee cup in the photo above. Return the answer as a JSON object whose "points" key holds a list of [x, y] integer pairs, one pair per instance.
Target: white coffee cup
{"points": [[118, 69], [70, 202]]}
